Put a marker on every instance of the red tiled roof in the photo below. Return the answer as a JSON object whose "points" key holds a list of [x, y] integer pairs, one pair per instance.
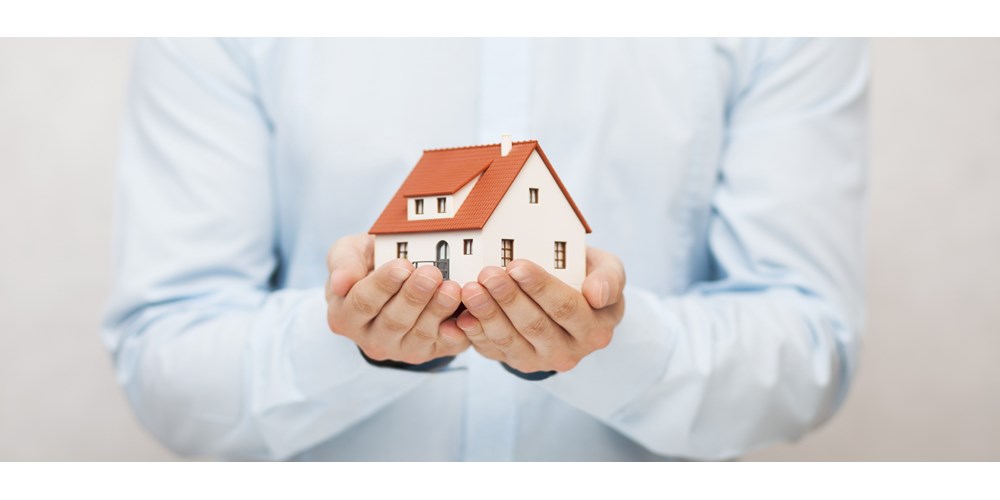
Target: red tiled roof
{"points": [[445, 171]]}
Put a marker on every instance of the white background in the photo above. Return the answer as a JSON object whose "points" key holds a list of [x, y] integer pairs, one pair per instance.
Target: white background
{"points": [[929, 385]]}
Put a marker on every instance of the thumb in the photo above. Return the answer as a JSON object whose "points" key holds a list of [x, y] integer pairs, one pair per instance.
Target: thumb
{"points": [[349, 261], [605, 279]]}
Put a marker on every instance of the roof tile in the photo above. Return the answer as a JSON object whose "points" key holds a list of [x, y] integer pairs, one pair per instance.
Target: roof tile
{"points": [[445, 171]]}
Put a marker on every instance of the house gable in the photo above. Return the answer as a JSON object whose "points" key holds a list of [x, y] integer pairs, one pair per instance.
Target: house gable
{"points": [[535, 223]]}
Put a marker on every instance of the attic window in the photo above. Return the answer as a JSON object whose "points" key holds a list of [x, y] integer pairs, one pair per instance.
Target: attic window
{"points": [[441, 205], [418, 205], [533, 195]]}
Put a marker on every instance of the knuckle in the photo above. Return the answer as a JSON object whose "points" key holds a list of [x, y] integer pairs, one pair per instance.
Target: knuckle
{"points": [[564, 363], [362, 304], [413, 297], [536, 287], [423, 334], [333, 321], [475, 335], [538, 327], [375, 352], [392, 325], [503, 341], [488, 313], [566, 308], [506, 298], [600, 338], [385, 285]]}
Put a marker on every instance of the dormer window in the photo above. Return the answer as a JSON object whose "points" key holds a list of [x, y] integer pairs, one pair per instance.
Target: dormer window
{"points": [[418, 205], [533, 196], [441, 205]]}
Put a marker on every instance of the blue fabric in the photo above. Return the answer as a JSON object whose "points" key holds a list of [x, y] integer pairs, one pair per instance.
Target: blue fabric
{"points": [[728, 175]]}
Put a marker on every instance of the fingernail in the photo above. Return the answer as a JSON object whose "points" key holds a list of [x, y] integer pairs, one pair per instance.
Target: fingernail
{"points": [[467, 328], [520, 274], [445, 300], [399, 274], [605, 293]]}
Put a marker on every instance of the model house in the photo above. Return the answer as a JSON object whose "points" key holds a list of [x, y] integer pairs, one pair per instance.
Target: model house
{"points": [[462, 209]]}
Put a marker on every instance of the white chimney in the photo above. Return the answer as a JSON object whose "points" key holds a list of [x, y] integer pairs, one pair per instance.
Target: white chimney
{"points": [[505, 144]]}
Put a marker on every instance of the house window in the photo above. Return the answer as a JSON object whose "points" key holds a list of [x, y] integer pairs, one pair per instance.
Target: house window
{"points": [[401, 252], [560, 255], [533, 195], [467, 247], [418, 205], [441, 207], [506, 252]]}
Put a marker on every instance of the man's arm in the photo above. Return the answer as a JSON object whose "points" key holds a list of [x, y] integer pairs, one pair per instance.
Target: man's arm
{"points": [[766, 350], [213, 358]]}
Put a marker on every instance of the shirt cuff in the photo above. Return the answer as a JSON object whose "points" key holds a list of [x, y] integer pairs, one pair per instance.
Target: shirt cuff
{"points": [[434, 365], [532, 376], [606, 381]]}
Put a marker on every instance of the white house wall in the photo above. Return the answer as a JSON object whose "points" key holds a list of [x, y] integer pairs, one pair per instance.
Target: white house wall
{"points": [[536, 227], [423, 247]]}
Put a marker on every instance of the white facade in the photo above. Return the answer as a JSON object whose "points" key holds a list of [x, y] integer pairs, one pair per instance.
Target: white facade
{"points": [[534, 228], [422, 247]]}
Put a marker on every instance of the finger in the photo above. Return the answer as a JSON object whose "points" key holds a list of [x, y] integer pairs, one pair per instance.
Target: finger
{"points": [[367, 298], [350, 259], [524, 314], [496, 326], [563, 303], [472, 330], [402, 310], [451, 339], [423, 338], [605, 278]]}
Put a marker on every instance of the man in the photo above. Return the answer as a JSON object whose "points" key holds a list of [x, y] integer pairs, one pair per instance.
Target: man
{"points": [[726, 177]]}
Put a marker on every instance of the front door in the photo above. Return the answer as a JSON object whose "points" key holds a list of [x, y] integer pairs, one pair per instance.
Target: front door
{"points": [[442, 258]]}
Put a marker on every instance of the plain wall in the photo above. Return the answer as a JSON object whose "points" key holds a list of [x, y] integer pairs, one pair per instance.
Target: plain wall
{"points": [[929, 382]]}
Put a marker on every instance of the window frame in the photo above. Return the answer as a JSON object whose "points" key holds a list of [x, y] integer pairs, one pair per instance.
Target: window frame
{"points": [[506, 251], [402, 250], [533, 196], [418, 206], [560, 255], [442, 203], [466, 247]]}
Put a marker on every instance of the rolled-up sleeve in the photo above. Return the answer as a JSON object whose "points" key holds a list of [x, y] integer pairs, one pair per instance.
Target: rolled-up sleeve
{"points": [[766, 349], [214, 359]]}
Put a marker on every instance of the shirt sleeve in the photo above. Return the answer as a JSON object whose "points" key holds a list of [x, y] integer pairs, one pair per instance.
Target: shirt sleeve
{"points": [[765, 350], [213, 357]]}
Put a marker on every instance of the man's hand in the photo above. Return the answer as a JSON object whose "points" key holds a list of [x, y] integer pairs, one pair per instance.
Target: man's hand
{"points": [[534, 322], [394, 312]]}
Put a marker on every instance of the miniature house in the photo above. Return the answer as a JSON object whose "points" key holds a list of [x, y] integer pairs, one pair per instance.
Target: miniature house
{"points": [[463, 209]]}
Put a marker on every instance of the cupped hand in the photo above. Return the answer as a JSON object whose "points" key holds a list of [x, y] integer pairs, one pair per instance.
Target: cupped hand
{"points": [[531, 320], [394, 312]]}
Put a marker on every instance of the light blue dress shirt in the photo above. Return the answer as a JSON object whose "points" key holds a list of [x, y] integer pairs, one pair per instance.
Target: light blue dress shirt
{"points": [[729, 176]]}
